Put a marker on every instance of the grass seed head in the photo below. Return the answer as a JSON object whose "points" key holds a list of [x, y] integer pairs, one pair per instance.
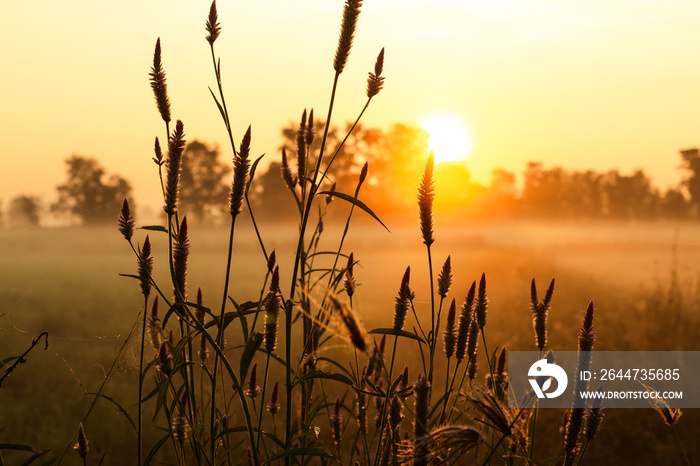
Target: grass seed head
{"points": [[395, 412], [271, 261], [349, 282], [126, 221], [159, 86], [337, 422], [273, 406], [363, 174], [164, 363], [353, 327], [586, 336], [402, 301], [272, 307], [241, 166], [203, 351], [181, 252], [301, 148], [671, 416], [449, 336], [253, 388], [154, 325], [481, 303], [176, 146], [421, 389], [212, 26], [289, 180], [465, 318], [593, 417], [82, 445], [158, 159], [145, 267], [445, 278], [426, 195], [574, 423], [375, 81], [309, 133], [199, 313], [347, 33]]}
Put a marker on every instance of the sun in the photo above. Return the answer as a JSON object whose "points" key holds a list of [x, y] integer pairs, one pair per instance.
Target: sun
{"points": [[449, 137]]}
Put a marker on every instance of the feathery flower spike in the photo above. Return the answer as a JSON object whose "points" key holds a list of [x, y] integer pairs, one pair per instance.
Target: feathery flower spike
{"points": [[351, 12], [426, 195], [375, 81], [126, 221], [159, 86], [212, 26]]}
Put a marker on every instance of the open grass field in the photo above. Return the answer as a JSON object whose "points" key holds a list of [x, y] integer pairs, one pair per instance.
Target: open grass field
{"points": [[642, 277]]}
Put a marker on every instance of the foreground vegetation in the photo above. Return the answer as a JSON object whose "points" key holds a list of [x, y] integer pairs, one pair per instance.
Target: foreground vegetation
{"points": [[268, 360]]}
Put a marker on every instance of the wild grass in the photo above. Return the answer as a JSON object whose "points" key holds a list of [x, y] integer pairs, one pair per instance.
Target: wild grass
{"points": [[264, 353]]}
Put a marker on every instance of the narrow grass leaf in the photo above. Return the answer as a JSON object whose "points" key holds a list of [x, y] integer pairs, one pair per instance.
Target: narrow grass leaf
{"points": [[355, 202], [120, 408], [398, 333], [251, 173], [154, 228], [35, 457], [155, 449], [15, 446], [325, 375], [221, 109]]}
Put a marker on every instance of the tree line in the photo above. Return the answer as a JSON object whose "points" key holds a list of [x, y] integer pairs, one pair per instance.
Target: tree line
{"points": [[396, 159]]}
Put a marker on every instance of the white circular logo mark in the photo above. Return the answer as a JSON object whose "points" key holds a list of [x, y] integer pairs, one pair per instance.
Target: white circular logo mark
{"points": [[544, 370]]}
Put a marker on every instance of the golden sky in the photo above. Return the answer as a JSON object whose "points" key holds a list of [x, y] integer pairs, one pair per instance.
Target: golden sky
{"points": [[594, 84]]}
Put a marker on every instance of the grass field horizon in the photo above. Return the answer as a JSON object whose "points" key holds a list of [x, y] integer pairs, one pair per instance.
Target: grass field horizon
{"points": [[65, 281]]}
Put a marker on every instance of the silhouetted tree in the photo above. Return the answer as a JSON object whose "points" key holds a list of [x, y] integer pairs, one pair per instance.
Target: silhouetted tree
{"points": [[673, 204], [628, 196], [360, 147], [87, 195], [690, 162], [24, 211], [204, 185], [270, 197], [545, 191]]}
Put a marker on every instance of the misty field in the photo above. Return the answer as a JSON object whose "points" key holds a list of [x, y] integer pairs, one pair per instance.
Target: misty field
{"points": [[643, 278]]}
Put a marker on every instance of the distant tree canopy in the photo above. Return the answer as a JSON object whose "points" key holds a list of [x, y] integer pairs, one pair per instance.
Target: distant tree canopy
{"points": [[23, 211], [396, 158], [88, 193], [204, 184]]}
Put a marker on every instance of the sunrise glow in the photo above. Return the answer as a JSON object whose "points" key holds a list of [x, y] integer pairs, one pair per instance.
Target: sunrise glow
{"points": [[449, 137]]}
